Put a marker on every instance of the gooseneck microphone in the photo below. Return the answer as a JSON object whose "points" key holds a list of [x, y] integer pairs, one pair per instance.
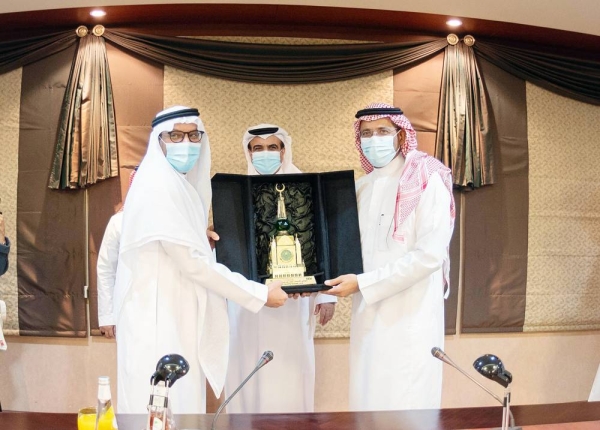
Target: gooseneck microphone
{"points": [[264, 359], [441, 355]]}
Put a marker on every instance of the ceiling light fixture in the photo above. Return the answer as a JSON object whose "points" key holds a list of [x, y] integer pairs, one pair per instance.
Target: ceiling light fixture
{"points": [[454, 22], [97, 13]]}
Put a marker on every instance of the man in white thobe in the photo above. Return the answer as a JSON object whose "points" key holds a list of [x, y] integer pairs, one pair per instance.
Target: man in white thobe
{"points": [[106, 269], [406, 219], [170, 294], [288, 383]]}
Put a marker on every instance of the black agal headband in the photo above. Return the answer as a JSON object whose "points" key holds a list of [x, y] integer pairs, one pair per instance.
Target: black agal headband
{"points": [[265, 130], [379, 111], [176, 114]]}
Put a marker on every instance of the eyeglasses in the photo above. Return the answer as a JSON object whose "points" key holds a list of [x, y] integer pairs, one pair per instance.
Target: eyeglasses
{"points": [[381, 131], [176, 136]]}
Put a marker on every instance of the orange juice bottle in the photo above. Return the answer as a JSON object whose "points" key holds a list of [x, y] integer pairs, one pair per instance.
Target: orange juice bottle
{"points": [[105, 415]]}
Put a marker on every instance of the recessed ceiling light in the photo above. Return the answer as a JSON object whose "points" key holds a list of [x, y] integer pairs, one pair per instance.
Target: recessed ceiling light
{"points": [[454, 22], [97, 13]]}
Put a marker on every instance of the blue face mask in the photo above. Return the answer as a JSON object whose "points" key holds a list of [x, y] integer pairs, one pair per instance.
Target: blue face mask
{"points": [[266, 162], [379, 150], [182, 156]]}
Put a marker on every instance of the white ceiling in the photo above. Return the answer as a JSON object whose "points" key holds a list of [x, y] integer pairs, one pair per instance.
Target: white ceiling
{"points": [[581, 16]]}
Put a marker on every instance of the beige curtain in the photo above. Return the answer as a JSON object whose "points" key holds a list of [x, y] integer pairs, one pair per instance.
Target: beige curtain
{"points": [[463, 140], [86, 146]]}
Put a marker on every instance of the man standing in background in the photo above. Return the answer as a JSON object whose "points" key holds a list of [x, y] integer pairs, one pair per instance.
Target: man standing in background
{"points": [[108, 256], [288, 383]]}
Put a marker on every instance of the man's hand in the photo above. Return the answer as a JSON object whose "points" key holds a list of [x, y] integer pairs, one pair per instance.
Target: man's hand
{"points": [[276, 296], [296, 296], [2, 232], [212, 236], [325, 312], [343, 285], [109, 331]]}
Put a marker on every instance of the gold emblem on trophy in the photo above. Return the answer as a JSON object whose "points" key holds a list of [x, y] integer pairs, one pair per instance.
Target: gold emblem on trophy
{"points": [[285, 255]]}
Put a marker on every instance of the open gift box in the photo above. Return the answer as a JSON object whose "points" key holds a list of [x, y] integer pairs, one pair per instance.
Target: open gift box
{"points": [[322, 213]]}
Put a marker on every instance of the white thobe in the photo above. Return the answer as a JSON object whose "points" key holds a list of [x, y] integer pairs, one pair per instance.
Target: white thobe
{"points": [[166, 314], [170, 294], [108, 257], [398, 314], [287, 384]]}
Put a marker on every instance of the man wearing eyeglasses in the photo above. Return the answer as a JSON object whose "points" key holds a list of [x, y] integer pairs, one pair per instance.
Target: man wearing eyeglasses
{"points": [[406, 219], [288, 384], [170, 294]]}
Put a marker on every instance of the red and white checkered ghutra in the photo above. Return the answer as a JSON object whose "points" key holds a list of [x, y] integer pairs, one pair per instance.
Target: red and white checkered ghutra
{"points": [[418, 169]]}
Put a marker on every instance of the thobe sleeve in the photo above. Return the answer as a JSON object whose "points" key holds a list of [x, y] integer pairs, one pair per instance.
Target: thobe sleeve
{"points": [[108, 257], [325, 298], [433, 233], [4, 250], [217, 278]]}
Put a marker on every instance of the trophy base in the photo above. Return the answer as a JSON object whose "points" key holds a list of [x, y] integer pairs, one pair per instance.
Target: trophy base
{"points": [[303, 284]]}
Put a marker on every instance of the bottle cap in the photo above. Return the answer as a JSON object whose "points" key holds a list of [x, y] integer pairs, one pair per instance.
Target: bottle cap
{"points": [[103, 380]]}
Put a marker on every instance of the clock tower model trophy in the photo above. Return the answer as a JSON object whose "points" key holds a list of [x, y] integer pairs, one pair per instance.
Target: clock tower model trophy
{"points": [[285, 254]]}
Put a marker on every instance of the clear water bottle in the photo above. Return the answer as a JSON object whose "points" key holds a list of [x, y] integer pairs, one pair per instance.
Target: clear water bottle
{"points": [[105, 413], [158, 409]]}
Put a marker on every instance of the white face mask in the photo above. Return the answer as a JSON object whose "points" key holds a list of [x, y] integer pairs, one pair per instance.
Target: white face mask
{"points": [[266, 162], [379, 150], [182, 156]]}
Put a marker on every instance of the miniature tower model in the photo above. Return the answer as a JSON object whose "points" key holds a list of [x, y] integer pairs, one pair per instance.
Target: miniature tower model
{"points": [[285, 256]]}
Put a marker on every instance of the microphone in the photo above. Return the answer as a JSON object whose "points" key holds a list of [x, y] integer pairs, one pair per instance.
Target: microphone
{"points": [[264, 359], [442, 356], [169, 369], [492, 368]]}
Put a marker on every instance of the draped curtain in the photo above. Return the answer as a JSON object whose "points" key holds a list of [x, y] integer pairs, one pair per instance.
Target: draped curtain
{"points": [[572, 77], [18, 53], [276, 64], [272, 64], [86, 143], [463, 141], [86, 146]]}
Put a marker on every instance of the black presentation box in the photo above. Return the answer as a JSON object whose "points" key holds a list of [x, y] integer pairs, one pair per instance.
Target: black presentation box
{"points": [[321, 208]]}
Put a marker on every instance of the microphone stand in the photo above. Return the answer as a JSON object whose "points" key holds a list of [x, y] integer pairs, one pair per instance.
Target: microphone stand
{"points": [[507, 415], [266, 357]]}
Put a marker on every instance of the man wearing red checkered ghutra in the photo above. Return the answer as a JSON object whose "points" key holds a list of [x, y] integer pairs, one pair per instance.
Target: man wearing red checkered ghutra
{"points": [[406, 217]]}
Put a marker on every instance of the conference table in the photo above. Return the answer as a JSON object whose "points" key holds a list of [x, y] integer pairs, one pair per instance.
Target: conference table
{"points": [[560, 416]]}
